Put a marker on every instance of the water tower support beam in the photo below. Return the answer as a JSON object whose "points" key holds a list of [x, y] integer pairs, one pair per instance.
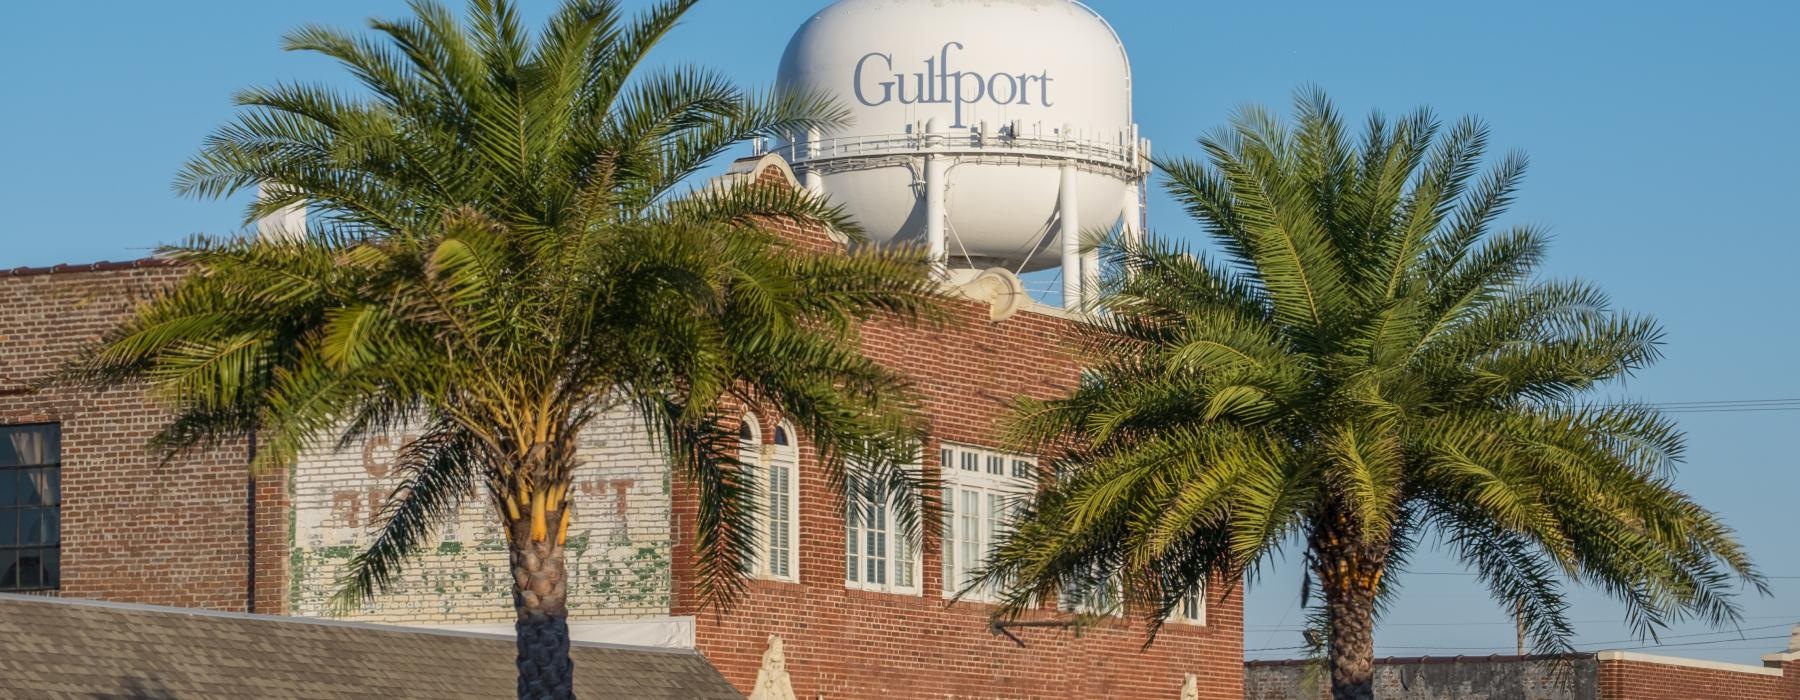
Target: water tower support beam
{"points": [[937, 172], [811, 178], [1068, 221], [1131, 225], [1090, 276]]}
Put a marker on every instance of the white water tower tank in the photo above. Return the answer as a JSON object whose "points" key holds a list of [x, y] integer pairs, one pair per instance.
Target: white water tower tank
{"points": [[992, 132]]}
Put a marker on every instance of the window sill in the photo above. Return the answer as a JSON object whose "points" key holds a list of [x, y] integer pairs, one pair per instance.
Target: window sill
{"points": [[896, 592]]}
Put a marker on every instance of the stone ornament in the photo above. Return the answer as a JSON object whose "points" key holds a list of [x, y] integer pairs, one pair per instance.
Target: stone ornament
{"points": [[1000, 289], [772, 681]]}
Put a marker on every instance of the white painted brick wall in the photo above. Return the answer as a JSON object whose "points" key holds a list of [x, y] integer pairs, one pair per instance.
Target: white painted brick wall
{"points": [[618, 546]]}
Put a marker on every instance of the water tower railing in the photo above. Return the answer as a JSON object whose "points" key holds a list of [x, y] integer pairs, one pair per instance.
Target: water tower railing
{"points": [[1120, 155]]}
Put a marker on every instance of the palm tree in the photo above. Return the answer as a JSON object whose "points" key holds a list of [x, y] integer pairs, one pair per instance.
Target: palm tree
{"points": [[1369, 364], [499, 253]]}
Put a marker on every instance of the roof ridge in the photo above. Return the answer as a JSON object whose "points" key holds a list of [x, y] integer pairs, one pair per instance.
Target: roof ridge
{"points": [[101, 266], [294, 619]]}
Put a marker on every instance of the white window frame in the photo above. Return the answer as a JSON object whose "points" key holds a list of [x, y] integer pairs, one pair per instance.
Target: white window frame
{"points": [[767, 461], [858, 539], [1192, 608], [995, 485], [1107, 603]]}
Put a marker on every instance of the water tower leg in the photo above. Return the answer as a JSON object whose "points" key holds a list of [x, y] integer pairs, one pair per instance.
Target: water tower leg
{"points": [[1069, 227], [811, 178], [1090, 276], [937, 169], [1131, 227]]}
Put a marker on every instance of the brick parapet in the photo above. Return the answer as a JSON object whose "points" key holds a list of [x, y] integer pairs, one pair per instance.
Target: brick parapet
{"points": [[1632, 676], [135, 527]]}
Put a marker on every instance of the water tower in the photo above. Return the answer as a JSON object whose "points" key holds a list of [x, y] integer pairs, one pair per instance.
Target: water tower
{"points": [[994, 132]]}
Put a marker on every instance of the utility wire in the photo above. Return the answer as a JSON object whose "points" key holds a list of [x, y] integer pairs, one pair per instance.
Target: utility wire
{"points": [[1470, 573], [1291, 628], [1716, 406], [1587, 644]]}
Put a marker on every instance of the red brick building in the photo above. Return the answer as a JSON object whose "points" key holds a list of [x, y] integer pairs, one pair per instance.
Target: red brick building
{"points": [[860, 612]]}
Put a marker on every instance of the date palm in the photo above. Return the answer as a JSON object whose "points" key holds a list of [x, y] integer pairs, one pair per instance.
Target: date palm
{"points": [[500, 253], [1369, 363]]}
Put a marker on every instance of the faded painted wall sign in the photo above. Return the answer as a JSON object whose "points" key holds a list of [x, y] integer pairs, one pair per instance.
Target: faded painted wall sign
{"points": [[618, 546]]}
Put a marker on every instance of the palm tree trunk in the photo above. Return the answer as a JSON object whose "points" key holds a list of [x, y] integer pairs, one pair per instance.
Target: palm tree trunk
{"points": [[1349, 570], [1352, 637], [539, 593]]}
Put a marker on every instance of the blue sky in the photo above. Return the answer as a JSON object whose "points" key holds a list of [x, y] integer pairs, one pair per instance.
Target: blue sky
{"points": [[1660, 135]]}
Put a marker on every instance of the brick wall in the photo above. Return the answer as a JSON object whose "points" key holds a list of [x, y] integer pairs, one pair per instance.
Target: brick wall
{"points": [[134, 528], [1436, 678], [139, 530], [1645, 677], [844, 643]]}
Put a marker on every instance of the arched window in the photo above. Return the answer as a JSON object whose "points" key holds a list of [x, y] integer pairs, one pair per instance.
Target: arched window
{"points": [[774, 469], [750, 455], [749, 438]]}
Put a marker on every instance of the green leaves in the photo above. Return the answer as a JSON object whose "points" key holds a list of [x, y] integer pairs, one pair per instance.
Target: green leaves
{"points": [[500, 247], [1371, 362], [435, 478]]}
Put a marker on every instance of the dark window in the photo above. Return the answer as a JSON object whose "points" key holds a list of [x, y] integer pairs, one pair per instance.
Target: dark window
{"points": [[30, 507]]}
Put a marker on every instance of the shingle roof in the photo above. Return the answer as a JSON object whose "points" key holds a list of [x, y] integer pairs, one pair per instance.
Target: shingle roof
{"points": [[64, 648]]}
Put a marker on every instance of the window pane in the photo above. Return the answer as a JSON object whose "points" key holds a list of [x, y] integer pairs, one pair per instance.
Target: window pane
{"points": [[996, 515], [52, 490], [31, 524], [877, 542], [971, 462], [852, 531], [37, 487], [9, 569], [903, 561], [9, 528], [27, 488], [27, 445], [781, 435], [970, 526], [52, 527], [9, 487], [947, 537], [778, 520], [52, 568], [996, 464], [30, 575]]}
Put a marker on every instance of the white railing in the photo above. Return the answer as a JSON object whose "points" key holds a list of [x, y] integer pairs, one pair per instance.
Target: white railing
{"points": [[971, 141]]}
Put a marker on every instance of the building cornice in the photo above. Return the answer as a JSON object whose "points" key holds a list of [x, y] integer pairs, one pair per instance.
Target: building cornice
{"points": [[1635, 657]]}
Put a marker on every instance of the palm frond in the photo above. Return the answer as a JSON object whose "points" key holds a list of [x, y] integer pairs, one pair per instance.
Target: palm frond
{"points": [[437, 473]]}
